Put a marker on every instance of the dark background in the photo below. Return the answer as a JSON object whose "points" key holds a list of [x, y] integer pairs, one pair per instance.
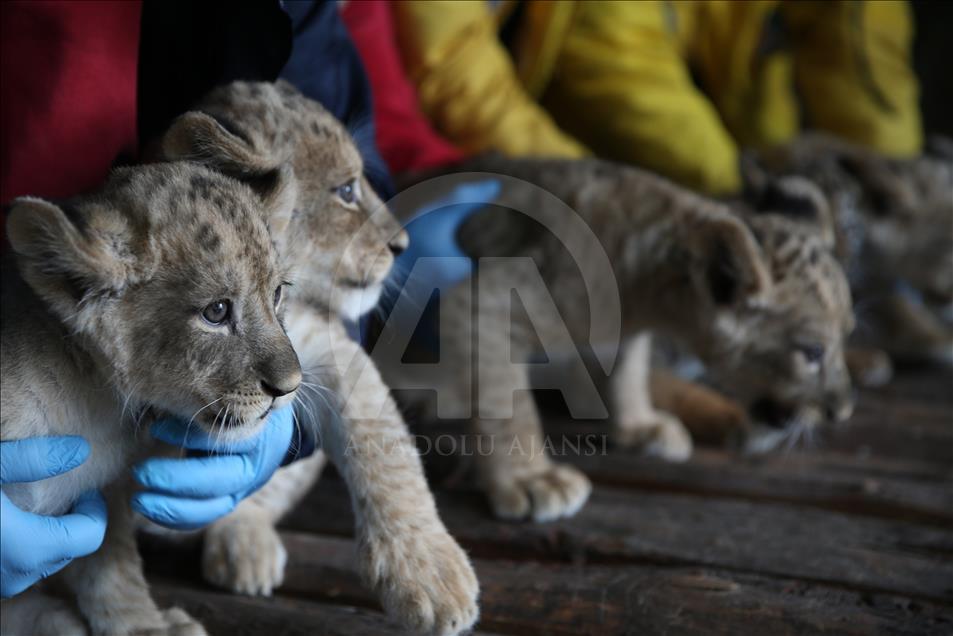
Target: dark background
{"points": [[933, 61]]}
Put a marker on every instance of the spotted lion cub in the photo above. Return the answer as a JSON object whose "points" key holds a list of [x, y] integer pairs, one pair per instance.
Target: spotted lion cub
{"points": [[894, 238], [758, 297], [160, 292], [341, 242]]}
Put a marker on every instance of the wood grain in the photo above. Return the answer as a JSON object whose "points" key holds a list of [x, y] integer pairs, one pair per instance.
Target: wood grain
{"points": [[854, 536]]}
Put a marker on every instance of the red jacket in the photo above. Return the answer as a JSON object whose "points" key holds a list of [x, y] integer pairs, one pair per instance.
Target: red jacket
{"points": [[404, 136], [67, 94]]}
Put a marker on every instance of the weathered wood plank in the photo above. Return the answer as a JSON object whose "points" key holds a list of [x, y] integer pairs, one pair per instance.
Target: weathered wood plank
{"points": [[799, 479], [519, 598], [754, 537], [925, 384], [322, 593], [914, 442], [858, 484], [225, 614], [530, 598], [887, 422], [853, 537]]}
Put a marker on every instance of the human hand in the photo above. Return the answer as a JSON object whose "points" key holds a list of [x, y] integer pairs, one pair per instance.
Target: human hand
{"points": [[191, 492], [433, 231], [33, 547]]}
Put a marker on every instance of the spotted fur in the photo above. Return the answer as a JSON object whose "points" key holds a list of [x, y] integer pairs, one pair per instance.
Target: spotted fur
{"points": [[341, 253], [894, 227], [748, 292], [102, 326]]}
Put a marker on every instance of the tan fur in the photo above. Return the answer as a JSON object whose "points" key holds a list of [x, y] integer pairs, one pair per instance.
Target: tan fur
{"points": [[341, 254], [894, 223], [668, 247], [108, 329], [709, 416]]}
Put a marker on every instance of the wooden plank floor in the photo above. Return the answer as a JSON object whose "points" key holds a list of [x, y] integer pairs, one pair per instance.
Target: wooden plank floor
{"points": [[852, 537]]}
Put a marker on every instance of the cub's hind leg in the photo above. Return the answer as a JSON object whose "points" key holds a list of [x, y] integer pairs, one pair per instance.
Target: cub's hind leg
{"points": [[242, 551], [636, 422], [517, 474], [515, 469]]}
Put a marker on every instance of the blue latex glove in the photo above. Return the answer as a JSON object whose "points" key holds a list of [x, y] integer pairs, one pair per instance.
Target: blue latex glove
{"points": [[432, 231], [33, 547], [191, 492]]}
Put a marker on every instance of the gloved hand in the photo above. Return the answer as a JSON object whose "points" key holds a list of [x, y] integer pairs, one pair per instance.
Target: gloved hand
{"points": [[433, 233], [33, 547], [191, 492]]}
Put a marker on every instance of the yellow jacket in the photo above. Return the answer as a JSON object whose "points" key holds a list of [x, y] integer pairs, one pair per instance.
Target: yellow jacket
{"points": [[614, 77]]}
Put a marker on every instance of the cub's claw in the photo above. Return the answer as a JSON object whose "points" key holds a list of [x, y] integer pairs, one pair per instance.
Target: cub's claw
{"points": [[425, 582]]}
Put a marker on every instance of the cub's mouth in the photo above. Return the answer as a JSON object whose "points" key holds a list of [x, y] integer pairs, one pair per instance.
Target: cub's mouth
{"points": [[232, 421], [357, 284], [353, 283], [770, 412], [778, 426], [359, 298]]}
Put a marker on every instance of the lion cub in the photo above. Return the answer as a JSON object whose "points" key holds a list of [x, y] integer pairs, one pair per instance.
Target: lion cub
{"points": [[341, 242], [893, 237], [758, 297], [162, 291]]}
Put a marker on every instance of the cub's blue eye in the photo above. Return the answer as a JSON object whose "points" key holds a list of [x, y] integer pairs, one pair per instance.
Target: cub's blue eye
{"points": [[347, 192], [278, 295], [218, 312], [812, 353]]}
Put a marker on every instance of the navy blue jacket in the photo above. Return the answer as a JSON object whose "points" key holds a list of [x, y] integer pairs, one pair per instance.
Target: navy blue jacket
{"points": [[186, 49], [325, 66]]}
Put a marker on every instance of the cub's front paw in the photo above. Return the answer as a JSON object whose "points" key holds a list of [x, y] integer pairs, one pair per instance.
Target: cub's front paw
{"points": [[658, 434], [553, 492], [244, 554], [424, 581], [169, 622]]}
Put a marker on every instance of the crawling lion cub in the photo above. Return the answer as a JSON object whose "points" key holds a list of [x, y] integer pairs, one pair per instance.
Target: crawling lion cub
{"points": [[161, 291], [893, 227], [759, 298], [341, 243]]}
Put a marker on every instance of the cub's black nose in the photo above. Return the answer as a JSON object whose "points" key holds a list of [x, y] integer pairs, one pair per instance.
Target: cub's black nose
{"points": [[284, 387]]}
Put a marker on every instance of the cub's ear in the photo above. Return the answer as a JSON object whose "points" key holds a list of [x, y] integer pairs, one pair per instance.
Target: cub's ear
{"points": [[798, 199], [791, 196], [218, 143], [278, 190], [886, 190], [733, 269], [61, 256]]}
